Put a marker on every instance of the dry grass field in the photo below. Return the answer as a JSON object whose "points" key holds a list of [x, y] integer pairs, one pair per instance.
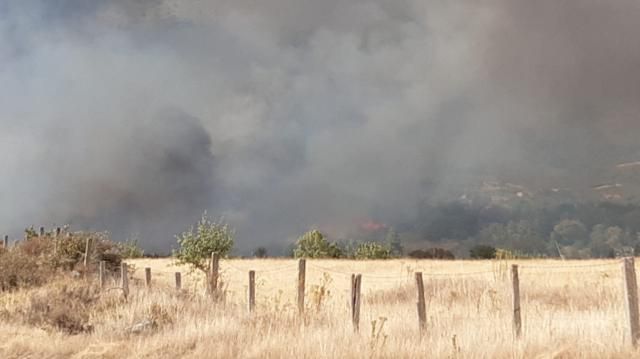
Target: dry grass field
{"points": [[571, 309]]}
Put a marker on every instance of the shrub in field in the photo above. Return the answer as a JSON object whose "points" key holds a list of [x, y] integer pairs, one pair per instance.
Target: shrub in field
{"points": [[313, 244], [20, 270], [197, 244], [432, 253], [509, 254], [130, 249], [35, 260], [482, 252], [372, 250], [68, 252], [64, 308]]}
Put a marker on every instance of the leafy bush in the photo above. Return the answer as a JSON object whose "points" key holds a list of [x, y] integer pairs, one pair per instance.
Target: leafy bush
{"points": [[482, 252], [372, 250], [313, 244], [432, 253], [197, 244], [68, 251], [502, 253], [130, 249], [34, 260]]}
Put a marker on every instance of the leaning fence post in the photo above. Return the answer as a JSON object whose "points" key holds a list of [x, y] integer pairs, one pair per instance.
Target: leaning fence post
{"points": [[124, 278], [86, 251], [102, 274], [178, 281], [302, 269], [213, 274], [356, 285], [422, 310], [631, 294], [517, 318], [252, 291], [147, 277]]}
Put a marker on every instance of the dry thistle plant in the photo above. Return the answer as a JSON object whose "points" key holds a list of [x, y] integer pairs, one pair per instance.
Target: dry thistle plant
{"points": [[378, 337], [320, 292]]}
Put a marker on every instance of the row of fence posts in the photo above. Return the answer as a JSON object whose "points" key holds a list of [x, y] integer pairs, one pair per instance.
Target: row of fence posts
{"points": [[631, 293], [629, 274], [41, 233]]}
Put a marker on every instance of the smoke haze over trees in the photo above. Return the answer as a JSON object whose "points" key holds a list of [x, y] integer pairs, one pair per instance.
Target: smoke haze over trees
{"points": [[136, 116]]}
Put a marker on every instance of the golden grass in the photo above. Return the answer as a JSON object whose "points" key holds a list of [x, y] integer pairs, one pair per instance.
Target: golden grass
{"points": [[571, 309]]}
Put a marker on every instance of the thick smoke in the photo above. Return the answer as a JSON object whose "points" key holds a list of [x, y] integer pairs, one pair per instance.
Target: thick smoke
{"points": [[136, 116]]}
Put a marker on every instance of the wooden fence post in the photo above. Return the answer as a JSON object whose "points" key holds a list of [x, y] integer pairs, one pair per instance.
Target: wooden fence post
{"points": [[178, 281], [213, 274], [252, 291], [147, 277], [6, 242], [124, 278], [86, 251], [58, 231], [631, 294], [517, 318], [422, 308], [101, 273], [356, 285], [302, 269], [41, 234]]}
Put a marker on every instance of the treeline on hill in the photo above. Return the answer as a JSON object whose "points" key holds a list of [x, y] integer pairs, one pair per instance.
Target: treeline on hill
{"points": [[523, 229], [571, 230]]}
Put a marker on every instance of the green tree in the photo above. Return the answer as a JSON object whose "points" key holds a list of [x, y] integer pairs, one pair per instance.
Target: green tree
{"points": [[130, 248], [197, 244], [372, 250], [313, 244], [569, 232], [515, 236]]}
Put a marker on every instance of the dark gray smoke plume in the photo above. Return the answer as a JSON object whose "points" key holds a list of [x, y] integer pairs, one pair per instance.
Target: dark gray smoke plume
{"points": [[136, 116]]}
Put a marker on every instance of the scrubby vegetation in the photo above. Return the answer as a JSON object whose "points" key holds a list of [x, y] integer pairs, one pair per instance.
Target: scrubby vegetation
{"points": [[197, 244], [432, 253], [482, 252], [313, 244], [372, 250], [37, 259]]}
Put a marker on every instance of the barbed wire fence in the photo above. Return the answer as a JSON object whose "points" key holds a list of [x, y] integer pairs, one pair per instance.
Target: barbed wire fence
{"points": [[508, 273]]}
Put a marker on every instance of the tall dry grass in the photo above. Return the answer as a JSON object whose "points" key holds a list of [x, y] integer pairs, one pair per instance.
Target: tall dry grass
{"points": [[570, 309]]}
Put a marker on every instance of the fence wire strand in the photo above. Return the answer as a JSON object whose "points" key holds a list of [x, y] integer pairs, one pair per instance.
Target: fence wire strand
{"points": [[571, 266], [405, 276], [227, 265], [525, 269]]}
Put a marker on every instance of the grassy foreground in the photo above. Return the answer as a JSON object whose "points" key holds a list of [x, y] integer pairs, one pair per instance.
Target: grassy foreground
{"points": [[571, 309]]}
